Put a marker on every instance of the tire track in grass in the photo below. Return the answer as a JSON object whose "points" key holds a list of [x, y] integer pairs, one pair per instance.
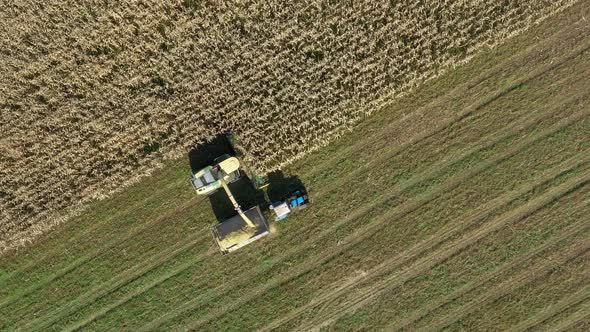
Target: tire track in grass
{"points": [[92, 255], [433, 241], [552, 310], [513, 283], [367, 230], [489, 141], [479, 281], [121, 279], [115, 283], [579, 320], [100, 313], [438, 256]]}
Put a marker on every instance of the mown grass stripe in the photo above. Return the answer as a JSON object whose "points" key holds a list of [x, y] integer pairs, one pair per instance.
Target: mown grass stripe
{"points": [[553, 309], [437, 239], [431, 260], [513, 283], [47, 254], [479, 281], [84, 259], [115, 283], [579, 319]]}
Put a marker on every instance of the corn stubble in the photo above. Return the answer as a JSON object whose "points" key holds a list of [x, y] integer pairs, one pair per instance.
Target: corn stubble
{"points": [[95, 96]]}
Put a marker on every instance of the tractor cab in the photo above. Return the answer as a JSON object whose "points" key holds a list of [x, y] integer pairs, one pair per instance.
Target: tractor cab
{"points": [[296, 200]]}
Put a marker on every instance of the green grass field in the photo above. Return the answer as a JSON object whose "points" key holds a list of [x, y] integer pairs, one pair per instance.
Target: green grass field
{"points": [[463, 205]]}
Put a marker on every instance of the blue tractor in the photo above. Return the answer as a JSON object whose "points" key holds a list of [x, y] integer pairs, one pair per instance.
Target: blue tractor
{"points": [[296, 200]]}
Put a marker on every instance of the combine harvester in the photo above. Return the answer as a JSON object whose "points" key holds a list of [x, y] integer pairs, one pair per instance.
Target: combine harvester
{"points": [[247, 226]]}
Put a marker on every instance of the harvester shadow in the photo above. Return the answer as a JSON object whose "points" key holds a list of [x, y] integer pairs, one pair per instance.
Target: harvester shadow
{"points": [[279, 188], [204, 154]]}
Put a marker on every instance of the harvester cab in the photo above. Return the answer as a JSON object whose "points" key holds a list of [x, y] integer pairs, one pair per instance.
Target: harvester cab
{"points": [[207, 180]]}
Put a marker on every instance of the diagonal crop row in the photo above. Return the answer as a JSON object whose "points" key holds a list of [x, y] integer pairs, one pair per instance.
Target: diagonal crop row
{"points": [[553, 309], [121, 279], [81, 261], [457, 95], [88, 233], [519, 262]]}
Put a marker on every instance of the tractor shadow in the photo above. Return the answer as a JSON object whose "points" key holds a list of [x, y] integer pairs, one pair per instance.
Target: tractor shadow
{"points": [[280, 186]]}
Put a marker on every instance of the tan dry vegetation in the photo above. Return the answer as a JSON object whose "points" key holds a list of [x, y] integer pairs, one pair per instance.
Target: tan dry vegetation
{"points": [[96, 94], [490, 187]]}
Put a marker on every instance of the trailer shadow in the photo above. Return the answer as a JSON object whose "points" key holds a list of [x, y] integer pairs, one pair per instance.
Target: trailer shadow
{"points": [[244, 193], [281, 186]]}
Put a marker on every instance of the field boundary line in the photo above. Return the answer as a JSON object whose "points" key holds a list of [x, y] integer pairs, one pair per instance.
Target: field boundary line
{"points": [[530, 123], [553, 309], [505, 287], [482, 101], [478, 281], [456, 246], [435, 240], [467, 111], [94, 227], [121, 279], [432, 171], [445, 66], [95, 254], [372, 227]]}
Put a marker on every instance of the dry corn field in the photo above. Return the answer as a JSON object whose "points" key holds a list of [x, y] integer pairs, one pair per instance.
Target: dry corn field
{"points": [[96, 94], [461, 204]]}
